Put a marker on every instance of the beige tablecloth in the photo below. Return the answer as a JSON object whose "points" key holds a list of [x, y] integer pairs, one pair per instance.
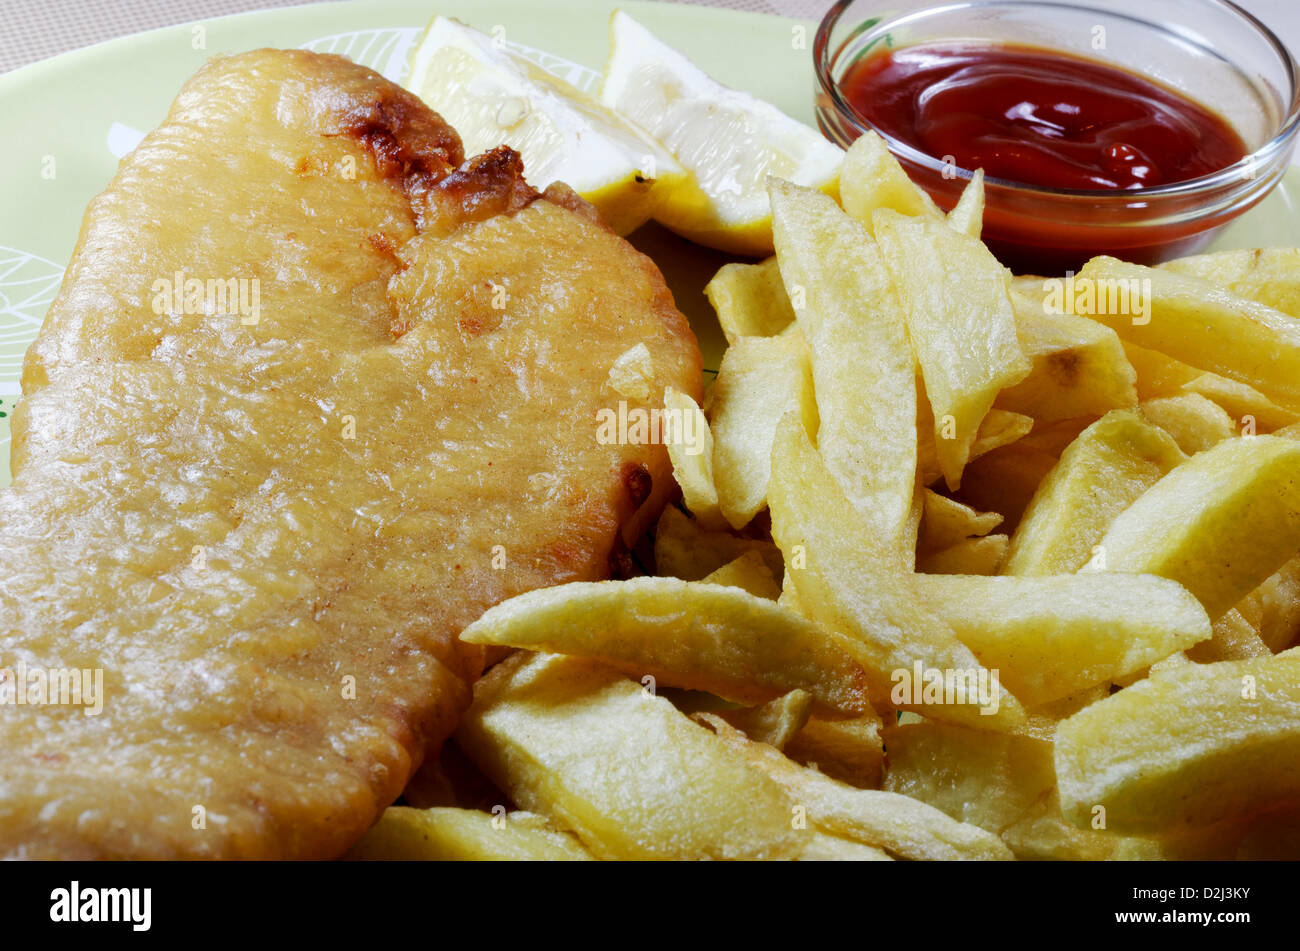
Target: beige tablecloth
{"points": [[31, 30]]}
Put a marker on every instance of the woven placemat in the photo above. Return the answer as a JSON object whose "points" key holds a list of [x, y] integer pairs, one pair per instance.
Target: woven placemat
{"points": [[32, 30]]}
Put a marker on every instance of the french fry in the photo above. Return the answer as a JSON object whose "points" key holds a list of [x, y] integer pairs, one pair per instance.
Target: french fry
{"points": [[848, 750], [871, 178], [959, 317], [625, 771], [998, 428], [1099, 475], [1157, 374], [1041, 721], [684, 634], [1195, 423], [945, 522], [1251, 411], [687, 550], [862, 365], [1078, 366], [1275, 606], [967, 216], [447, 834], [852, 587], [904, 827], [761, 379], [1003, 783], [749, 572], [1053, 637], [1269, 276], [971, 556], [1233, 639], [750, 300], [1219, 524], [693, 464], [821, 847], [1185, 747], [1197, 323], [775, 722]]}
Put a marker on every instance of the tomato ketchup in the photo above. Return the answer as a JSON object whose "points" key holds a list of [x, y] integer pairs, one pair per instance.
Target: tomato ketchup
{"points": [[1044, 119], [1039, 117]]}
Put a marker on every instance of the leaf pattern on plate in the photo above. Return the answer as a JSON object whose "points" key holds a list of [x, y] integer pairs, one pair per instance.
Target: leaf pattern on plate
{"points": [[28, 283]]}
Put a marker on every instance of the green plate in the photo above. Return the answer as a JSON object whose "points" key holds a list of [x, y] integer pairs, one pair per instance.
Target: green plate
{"points": [[69, 119]]}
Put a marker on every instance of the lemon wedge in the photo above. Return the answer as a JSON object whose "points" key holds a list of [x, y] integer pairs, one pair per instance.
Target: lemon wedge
{"points": [[493, 97], [728, 139]]}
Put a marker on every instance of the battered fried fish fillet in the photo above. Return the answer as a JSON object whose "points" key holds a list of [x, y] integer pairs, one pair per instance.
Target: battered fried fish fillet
{"points": [[268, 534]]}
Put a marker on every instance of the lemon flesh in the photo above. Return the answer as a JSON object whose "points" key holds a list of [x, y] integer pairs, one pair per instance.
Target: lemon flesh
{"points": [[493, 97], [728, 140]]}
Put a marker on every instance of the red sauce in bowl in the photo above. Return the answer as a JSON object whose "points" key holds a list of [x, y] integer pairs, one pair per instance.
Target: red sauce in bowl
{"points": [[1039, 117], [1046, 120]]}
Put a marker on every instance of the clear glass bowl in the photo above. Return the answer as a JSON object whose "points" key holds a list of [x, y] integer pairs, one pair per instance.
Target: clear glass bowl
{"points": [[1210, 50]]}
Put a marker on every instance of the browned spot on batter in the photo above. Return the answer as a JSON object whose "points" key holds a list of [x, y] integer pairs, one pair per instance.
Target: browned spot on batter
{"points": [[470, 325], [409, 144], [382, 243], [487, 185], [310, 165], [637, 481], [558, 193]]}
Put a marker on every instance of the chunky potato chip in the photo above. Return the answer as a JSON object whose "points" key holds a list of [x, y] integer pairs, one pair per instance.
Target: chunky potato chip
{"points": [[971, 556], [847, 584], [1196, 323], [775, 722], [1002, 783], [684, 634], [1052, 637], [871, 178], [821, 847], [862, 364], [998, 428], [685, 549], [945, 522], [1099, 475], [750, 300], [750, 573], [761, 379], [1234, 638], [959, 317], [1219, 524], [1275, 607], [447, 834], [1251, 411], [1188, 746], [1270, 276], [623, 769], [967, 216], [1196, 423], [692, 459], [1079, 365], [848, 750], [904, 827], [1157, 374]]}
